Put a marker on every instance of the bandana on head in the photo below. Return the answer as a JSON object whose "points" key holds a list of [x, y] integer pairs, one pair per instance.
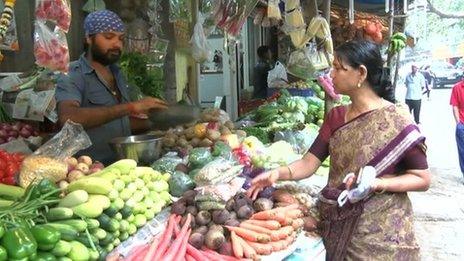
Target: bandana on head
{"points": [[103, 21]]}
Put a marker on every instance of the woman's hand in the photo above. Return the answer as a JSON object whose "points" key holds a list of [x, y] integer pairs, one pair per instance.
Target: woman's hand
{"points": [[263, 180]]}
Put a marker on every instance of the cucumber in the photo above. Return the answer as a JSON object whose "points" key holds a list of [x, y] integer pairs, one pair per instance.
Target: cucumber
{"points": [[61, 248], [107, 240], [118, 216], [88, 210], [123, 236], [109, 247], [85, 240], [104, 221], [132, 229], [113, 226], [126, 211], [123, 225], [59, 213], [11, 192], [116, 242], [74, 198], [93, 255], [111, 211], [116, 233], [99, 233], [63, 258], [140, 220], [100, 200], [118, 203], [78, 224], [93, 185], [92, 223], [68, 233]]}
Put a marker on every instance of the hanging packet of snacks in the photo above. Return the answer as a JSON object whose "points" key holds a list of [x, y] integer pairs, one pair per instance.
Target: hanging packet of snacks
{"points": [[57, 11], [273, 10], [8, 33], [50, 48], [178, 10]]}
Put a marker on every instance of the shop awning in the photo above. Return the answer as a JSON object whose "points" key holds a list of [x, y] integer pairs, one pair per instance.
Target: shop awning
{"points": [[376, 7], [448, 51]]}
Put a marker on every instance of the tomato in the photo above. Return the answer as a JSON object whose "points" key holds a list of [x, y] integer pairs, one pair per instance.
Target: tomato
{"points": [[9, 181], [18, 157], [11, 170], [3, 154], [2, 174], [2, 164]]}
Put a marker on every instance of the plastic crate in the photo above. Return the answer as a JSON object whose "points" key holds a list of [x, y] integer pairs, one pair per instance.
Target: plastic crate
{"points": [[292, 91]]}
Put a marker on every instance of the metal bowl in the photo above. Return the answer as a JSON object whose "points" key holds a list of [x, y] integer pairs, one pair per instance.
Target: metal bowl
{"points": [[144, 149]]}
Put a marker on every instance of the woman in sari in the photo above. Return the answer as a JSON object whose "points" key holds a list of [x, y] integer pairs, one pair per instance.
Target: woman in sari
{"points": [[377, 224]]}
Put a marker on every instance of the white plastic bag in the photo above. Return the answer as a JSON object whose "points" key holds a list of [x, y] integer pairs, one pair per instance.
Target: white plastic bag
{"points": [[201, 50], [50, 48], [277, 77]]}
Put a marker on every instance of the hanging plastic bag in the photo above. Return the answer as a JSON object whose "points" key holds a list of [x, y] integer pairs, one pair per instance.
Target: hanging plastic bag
{"points": [[300, 65], [57, 11], [277, 77], [318, 58], [94, 5], [50, 48], [273, 10], [201, 51], [49, 160]]}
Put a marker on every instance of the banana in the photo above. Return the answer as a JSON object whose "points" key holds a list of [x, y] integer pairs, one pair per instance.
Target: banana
{"points": [[400, 36]]}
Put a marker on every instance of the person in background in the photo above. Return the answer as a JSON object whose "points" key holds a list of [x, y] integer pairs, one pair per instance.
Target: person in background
{"points": [[428, 75], [94, 93], [457, 103], [261, 71], [415, 82], [376, 222]]}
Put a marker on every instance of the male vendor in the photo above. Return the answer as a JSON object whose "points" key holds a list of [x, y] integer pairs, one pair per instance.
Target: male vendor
{"points": [[95, 93]]}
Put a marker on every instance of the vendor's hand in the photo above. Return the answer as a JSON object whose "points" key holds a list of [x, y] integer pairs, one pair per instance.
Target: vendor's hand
{"points": [[378, 185], [149, 103], [351, 181], [262, 181]]}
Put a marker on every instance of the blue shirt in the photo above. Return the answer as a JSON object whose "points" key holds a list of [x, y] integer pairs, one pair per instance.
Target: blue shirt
{"points": [[414, 85], [82, 84]]}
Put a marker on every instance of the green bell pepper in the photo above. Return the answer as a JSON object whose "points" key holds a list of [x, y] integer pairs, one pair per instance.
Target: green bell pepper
{"points": [[2, 230], [44, 256], [45, 186], [3, 254], [45, 236], [19, 243]]}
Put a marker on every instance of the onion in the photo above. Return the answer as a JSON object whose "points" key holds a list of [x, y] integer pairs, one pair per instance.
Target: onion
{"points": [[25, 133], [16, 127], [7, 127], [3, 134], [28, 127], [13, 133]]}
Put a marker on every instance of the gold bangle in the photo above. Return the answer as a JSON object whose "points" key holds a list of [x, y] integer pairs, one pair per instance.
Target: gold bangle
{"points": [[290, 172], [384, 187]]}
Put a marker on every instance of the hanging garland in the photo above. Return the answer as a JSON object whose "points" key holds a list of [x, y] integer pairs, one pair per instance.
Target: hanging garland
{"points": [[5, 20]]}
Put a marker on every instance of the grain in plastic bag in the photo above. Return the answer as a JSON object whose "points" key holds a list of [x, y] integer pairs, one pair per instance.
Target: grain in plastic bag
{"points": [[49, 161]]}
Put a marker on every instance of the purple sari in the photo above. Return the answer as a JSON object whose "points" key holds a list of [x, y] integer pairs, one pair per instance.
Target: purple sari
{"points": [[380, 227]]}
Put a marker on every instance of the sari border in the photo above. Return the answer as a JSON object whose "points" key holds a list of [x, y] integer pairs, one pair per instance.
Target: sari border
{"points": [[390, 154]]}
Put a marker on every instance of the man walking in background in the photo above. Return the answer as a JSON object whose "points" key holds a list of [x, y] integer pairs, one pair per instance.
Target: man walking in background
{"points": [[415, 82], [457, 102], [261, 71]]}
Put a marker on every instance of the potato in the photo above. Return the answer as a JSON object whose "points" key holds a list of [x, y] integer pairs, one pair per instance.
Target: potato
{"points": [[168, 142], [205, 143], [213, 135], [224, 130], [190, 133], [240, 133], [75, 175], [229, 125], [195, 141], [82, 167], [182, 142], [85, 159]]}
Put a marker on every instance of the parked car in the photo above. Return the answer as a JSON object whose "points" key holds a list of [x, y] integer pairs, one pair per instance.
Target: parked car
{"points": [[444, 73]]}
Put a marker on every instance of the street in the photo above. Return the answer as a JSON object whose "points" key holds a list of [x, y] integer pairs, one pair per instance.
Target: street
{"points": [[439, 212]]}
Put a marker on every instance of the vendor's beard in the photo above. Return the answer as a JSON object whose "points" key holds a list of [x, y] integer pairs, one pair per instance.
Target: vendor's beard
{"points": [[105, 58]]}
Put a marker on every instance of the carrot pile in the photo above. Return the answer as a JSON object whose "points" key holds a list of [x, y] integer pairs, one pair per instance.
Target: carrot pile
{"points": [[266, 232]]}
